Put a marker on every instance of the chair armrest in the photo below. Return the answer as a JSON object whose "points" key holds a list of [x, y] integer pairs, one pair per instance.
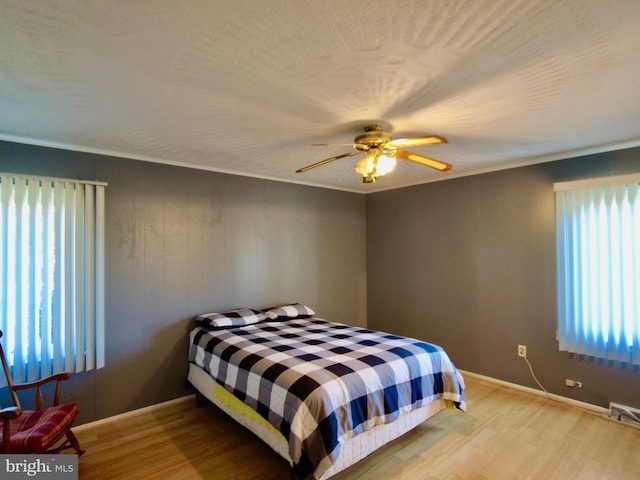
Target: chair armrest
{"points": [[58, 378], [37, 383], [10, 413]]}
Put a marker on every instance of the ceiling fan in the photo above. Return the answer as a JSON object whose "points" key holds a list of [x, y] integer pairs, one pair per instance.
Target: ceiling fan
{"points": [[381, 153]]}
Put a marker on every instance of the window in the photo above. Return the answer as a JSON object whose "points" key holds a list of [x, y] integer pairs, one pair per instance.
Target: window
{"points": [[51, 275], [598, 242]]}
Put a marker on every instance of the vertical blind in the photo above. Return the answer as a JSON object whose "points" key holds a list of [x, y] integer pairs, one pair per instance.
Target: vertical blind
{"points": [[51, 275], [598, 244]]}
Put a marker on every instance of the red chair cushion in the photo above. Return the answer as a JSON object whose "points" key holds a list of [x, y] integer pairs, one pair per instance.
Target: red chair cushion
{"points": [[35, 431]]}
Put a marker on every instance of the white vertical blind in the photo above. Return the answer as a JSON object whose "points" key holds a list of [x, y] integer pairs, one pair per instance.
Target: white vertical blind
{"points": [[51, 275], [598, 242]]}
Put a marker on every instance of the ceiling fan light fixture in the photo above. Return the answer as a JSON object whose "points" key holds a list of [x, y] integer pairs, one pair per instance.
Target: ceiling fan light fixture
{"points": [[374, 164]]}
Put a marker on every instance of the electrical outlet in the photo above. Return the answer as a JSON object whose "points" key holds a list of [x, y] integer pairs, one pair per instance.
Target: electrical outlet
{"points": [[522, 351]]}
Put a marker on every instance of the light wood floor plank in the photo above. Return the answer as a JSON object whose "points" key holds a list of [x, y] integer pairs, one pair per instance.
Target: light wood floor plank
{"points": [[506, 434]]}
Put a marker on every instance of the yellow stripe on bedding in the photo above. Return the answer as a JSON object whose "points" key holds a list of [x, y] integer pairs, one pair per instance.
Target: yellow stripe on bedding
{"points": [[243, 409]]}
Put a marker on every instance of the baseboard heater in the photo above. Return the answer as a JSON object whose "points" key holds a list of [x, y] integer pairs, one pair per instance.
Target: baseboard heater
{"points": [[624, 413]]}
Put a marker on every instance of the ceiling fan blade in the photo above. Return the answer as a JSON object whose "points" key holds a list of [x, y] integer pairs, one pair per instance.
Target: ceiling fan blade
{"points": [[324, 162], [422, 160], [332, 144], [415, 141], [359, 146]]}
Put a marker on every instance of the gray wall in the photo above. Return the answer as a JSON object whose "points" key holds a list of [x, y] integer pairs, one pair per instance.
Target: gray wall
{"points": [[182, 242], [469, 264]]}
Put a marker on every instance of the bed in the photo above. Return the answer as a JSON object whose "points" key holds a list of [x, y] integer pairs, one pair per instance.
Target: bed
{"points": [[323, 395]]}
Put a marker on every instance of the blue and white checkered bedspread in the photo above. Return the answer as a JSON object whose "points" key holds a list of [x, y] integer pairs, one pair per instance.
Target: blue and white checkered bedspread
{"points": [[320, 383]]}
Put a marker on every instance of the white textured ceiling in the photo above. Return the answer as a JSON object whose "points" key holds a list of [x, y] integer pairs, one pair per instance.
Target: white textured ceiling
{"points": [[247, 86]]}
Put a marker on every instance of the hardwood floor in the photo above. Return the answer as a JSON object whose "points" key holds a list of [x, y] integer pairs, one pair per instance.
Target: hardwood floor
{"points": [[505, 434]]}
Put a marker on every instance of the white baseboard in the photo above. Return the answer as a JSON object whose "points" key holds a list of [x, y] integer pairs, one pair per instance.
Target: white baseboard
{"points": [[569, 401], [134, 413]]}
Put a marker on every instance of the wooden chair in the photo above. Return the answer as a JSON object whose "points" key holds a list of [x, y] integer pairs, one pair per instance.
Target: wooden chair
{"points": [[44, 430]]}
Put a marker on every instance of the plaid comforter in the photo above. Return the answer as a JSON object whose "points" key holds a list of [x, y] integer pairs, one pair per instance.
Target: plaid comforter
{"points": [[320, 383]]}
